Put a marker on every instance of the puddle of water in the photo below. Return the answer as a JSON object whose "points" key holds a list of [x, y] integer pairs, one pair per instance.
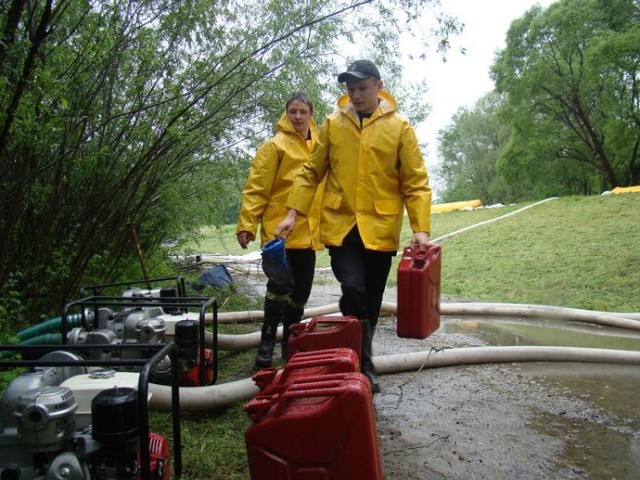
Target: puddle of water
{"points": [[593, 450], [610, 387], [551, 333], [600, 421], [600, 428]]}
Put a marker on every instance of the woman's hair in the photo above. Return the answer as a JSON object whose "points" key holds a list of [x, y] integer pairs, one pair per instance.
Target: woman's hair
{"points": [[301, 97]]}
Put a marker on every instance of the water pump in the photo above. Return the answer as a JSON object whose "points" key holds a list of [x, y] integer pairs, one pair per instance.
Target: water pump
{"points": [[42, 436]]}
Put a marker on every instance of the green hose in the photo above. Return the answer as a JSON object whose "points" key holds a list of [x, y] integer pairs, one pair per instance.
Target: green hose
{"points": [[45, 339], [49, 326]]}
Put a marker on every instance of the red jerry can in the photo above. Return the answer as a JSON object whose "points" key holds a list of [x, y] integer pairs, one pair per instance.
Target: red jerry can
{"points": [[320, 428], [419, 292], [325, 332], [303, 365]]}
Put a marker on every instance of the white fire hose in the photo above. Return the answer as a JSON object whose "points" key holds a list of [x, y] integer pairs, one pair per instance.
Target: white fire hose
{"points": [[222, 395], [453, 308]]}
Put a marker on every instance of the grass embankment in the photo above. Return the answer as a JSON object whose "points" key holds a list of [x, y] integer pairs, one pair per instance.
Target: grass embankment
{"points": [[579, 251]]}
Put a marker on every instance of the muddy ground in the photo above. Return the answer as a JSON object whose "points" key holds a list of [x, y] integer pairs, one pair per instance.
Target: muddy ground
{"points": [[499, 421], [505, 421]]}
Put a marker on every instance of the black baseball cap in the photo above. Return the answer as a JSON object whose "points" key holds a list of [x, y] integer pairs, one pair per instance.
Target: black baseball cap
{"points": [[360, 69]]}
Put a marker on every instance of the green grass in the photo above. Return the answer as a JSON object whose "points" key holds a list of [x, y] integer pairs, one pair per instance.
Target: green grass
{"points": [[579, 252], [222, 240]]}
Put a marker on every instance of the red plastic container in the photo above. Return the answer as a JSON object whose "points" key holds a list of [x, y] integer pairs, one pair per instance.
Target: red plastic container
{"points": [[191, 378], [325, 332], [319, 428], [303, 365], [419, 292]]}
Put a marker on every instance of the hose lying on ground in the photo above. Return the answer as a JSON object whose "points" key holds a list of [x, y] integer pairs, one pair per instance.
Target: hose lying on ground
{"points": [[217, 396], [453, 308], [256, 315], [250, 340], [620, 320], [223, 395], [203, 398]]}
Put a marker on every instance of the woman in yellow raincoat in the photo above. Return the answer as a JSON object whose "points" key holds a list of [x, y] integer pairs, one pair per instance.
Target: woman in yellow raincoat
{"points": [[275, 166]]}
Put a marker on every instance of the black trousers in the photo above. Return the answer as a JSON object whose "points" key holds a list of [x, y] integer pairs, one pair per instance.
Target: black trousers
{"points": [[362, 274], [302, 264]]}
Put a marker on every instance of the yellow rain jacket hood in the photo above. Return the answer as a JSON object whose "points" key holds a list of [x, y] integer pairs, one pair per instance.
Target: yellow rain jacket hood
{"points": [[373, 171], [275, 166]]}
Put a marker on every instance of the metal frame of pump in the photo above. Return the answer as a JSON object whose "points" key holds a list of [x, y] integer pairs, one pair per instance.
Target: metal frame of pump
{"points": [[161, 351], [98, 288], [180, 303]]}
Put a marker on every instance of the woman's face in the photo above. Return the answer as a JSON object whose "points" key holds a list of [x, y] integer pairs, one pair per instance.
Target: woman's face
{"points": [[300, 114]]}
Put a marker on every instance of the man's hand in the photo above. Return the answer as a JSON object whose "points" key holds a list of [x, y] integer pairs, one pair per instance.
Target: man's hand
{"points": [[420, 239], [244, 238], [285, 227]]}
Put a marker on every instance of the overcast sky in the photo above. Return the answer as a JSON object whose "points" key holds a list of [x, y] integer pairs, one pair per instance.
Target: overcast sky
{"points": [[463, 79]]}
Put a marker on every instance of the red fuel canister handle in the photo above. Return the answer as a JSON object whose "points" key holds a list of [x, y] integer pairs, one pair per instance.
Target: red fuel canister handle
{"points": [[419, 256], [290, 394], [259, 406], [314, 362], [265, 377], [297, 328], [313, 324], [434, 251]]}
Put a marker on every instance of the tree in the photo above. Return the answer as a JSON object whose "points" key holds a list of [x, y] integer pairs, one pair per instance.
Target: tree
{"points": [[115, 111], [570, 74], [469, 149]]}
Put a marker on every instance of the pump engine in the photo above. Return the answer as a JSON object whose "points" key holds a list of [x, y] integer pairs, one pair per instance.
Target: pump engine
{"points": [[142, 320], [39, 439]]}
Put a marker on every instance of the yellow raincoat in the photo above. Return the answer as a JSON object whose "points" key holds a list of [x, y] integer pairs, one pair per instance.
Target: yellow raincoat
{"points": [[275, 166], [372, 172]]}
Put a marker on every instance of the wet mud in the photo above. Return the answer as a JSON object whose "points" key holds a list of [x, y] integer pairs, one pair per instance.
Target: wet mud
{"points": [[507, 421]]}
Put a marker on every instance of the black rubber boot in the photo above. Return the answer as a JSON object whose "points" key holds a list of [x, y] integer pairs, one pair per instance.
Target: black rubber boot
{"points": [[366, 362], [273, 311], [291, 315]]}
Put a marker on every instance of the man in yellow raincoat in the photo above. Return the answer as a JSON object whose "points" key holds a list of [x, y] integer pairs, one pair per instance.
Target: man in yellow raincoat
{"points": [[374, 169], [275, 166]]}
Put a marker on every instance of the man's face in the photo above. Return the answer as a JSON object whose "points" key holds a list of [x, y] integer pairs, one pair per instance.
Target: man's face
{"points": [[300, 115], [364, 93]]}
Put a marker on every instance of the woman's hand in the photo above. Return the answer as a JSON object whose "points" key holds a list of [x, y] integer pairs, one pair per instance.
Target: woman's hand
{"points": [[285, 227], [244, 238]]}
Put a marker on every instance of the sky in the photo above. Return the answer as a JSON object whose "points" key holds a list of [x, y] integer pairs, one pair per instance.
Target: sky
{"points": [[464, 79]]}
